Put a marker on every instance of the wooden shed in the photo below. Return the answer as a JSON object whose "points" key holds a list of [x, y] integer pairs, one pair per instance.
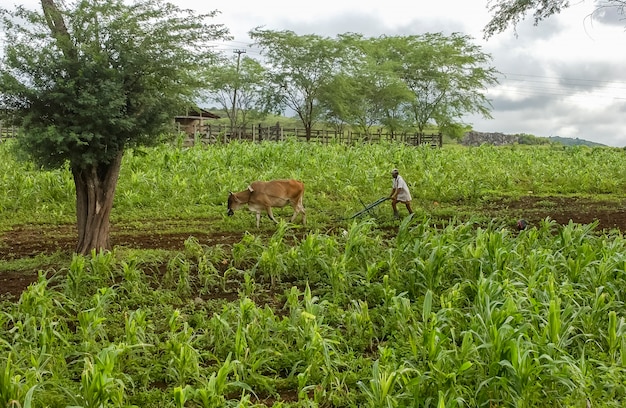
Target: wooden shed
{"points": [[194, 121]]}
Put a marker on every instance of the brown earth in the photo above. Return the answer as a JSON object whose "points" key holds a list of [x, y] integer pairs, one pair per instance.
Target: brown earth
{"points": [[28, 241]]}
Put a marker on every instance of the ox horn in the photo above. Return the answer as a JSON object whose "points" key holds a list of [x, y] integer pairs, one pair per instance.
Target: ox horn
{"points": [[250, 189]]}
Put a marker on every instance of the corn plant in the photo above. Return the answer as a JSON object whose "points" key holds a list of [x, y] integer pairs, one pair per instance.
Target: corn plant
{"points": [[183, 358], [318, 346], [182, 395], [92, 321], [101, 383], [11, 386], [135, 327], [360, 328], [179, 275], [134, 279], [211, 392], [272, 262], [384, 388], [102, 264]]}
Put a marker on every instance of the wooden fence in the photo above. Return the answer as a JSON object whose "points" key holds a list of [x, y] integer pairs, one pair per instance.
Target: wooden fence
{"points": [[208, 133], [7, 132], [258, 133]]}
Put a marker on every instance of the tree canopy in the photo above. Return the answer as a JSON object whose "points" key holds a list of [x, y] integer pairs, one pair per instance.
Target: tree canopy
{"points": [[401, 82], [111, 79], [508, 13], [237, 86], [299, 66]]}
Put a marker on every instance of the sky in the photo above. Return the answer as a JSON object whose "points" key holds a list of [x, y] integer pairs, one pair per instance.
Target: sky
{"points": [[564, 77]]}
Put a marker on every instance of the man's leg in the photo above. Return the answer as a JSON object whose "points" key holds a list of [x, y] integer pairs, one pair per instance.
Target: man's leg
{"points": [[408, 207], [395, 208]]}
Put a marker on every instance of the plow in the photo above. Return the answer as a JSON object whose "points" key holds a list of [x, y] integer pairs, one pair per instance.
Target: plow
{"points": [[368, 207]]}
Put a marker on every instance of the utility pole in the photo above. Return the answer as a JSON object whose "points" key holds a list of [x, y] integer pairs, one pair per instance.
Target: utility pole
{"points": [[234, 118]]}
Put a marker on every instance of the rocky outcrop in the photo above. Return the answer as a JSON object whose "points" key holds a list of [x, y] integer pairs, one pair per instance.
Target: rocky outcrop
{"points": [[496, 139]]}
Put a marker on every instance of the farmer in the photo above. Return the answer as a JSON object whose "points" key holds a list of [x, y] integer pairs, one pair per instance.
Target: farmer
{"points": [[399, 193]]}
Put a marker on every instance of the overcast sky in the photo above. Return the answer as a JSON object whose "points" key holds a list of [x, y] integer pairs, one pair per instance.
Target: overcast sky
{"points": [[565, 77]]}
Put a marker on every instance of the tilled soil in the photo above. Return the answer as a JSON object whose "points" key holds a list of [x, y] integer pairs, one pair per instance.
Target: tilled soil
{"points": [[28, 241]]}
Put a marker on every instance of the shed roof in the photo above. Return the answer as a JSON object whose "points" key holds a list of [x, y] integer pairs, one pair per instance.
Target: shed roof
{"points": [[199, 113]]}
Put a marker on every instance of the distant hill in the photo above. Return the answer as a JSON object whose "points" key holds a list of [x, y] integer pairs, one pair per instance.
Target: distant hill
{"points": [[568, 141], [474, 138]]}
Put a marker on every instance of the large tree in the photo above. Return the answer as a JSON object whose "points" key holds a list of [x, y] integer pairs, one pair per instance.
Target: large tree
{"points": [[93, 78], [237, 85], [507, 13], [367, 92], [299, 67], [447, 75]]}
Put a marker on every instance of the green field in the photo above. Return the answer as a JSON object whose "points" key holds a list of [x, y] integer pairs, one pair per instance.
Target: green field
{"points": [[452, 307]]}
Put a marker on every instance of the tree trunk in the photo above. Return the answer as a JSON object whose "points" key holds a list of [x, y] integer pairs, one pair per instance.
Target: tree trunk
{"points": [[95, 189]]}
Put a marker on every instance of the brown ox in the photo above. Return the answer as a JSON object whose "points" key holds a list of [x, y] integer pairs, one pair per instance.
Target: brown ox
{"points": [[263, 195]]}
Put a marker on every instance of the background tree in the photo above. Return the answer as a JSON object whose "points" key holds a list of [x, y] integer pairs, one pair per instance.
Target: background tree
{"points": [[367, 91], [93, 78], [298, 67], [510, 12], [446, 74], [243, 77]]}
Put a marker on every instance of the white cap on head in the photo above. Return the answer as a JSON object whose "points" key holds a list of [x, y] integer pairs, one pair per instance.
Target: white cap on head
{"points": [[394, 171]]}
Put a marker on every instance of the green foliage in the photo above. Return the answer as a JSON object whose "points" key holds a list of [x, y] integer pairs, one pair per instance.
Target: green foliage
{"points": [[445, 75], [567, 141], [400, 82], [511, 13], [203, 176], [508, 321], [506, 13], [240, 82], [299, 67], [526, 139], [104, 77]]}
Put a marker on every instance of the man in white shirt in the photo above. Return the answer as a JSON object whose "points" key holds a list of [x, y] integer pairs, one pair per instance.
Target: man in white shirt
{"points": [[399, 193]]}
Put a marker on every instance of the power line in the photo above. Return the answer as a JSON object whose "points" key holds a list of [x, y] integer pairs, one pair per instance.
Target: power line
{"points": [[560, 86], [561, 78]]}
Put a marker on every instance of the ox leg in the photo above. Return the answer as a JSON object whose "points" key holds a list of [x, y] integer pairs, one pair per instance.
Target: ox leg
{"points": [[258, 219], [271, 215], [296, 211], [299, 208]]}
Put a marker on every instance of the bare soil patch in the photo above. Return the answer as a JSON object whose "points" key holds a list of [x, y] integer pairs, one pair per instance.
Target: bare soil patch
{"points": [[27, 241], [608, 214]]}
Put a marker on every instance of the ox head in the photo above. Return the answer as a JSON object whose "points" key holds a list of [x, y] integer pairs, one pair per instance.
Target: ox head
{"points": [[236, 200]]}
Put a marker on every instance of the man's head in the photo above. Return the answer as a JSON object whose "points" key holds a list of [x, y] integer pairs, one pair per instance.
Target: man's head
{"points": [[394, 173]]}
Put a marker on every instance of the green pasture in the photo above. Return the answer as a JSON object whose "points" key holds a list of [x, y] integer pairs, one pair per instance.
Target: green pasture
{"points": [[448, 308]]}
